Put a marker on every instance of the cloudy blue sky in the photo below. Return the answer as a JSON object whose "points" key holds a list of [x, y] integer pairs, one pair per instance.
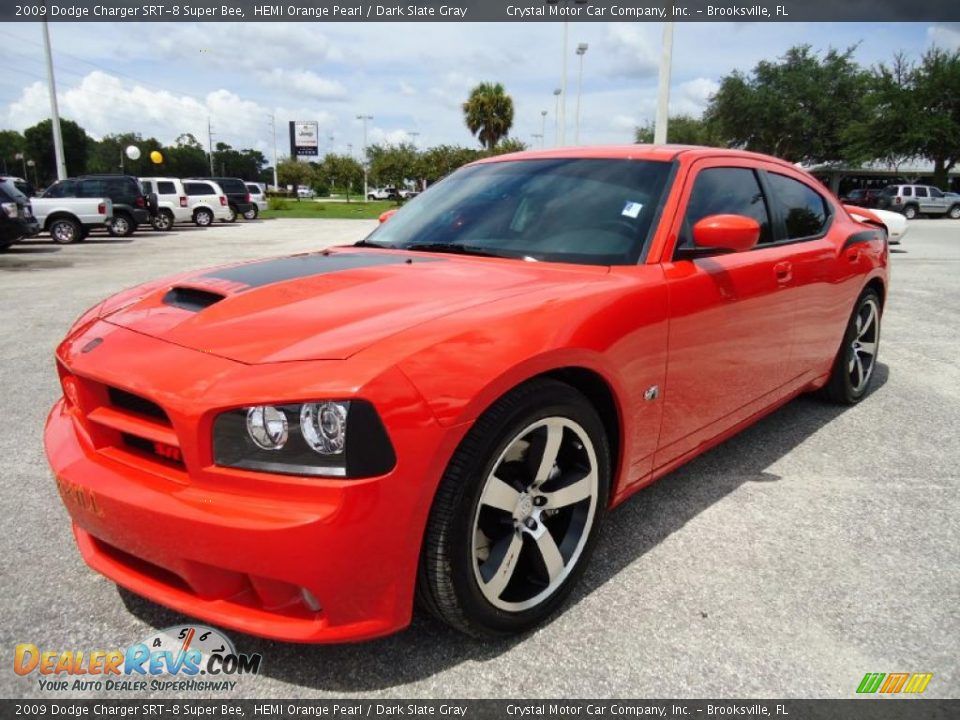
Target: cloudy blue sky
{"points": [[166, 79]]}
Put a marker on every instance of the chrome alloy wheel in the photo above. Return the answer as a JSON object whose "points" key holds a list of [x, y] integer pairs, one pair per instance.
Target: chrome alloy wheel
{"points": [[535, 514], [862, 354]]}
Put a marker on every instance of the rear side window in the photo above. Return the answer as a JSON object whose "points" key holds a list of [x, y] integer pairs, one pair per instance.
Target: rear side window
{"points": [[255, 189], [197, 188], [804, 210], [233, 186], [65, 189], [165, 187], [91, 189], [722, 191]]}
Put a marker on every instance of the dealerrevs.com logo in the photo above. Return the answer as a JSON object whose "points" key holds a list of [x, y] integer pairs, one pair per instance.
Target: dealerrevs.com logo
{"points": [[182, 658]]}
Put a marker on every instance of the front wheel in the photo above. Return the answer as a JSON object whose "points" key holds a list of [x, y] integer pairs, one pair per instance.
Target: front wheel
{"points": [[252, 213], [231, 215], [954, 212], [857, 357], [162, 221], [121, 226], [517, 513]]}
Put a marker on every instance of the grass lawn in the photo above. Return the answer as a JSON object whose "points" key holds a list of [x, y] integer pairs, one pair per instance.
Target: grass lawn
{"points": [[333, 210]]}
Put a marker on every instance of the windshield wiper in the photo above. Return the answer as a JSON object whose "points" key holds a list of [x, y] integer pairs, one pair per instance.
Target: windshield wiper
{"points": [[369, 243], [453, 249]]}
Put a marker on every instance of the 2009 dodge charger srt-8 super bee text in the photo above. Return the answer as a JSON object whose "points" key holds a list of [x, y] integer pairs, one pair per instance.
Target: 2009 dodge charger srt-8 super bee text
{"points": [[298, 447]]}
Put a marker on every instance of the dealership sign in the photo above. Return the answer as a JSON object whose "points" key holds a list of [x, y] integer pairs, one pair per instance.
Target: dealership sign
{"points": [[304, 138]]}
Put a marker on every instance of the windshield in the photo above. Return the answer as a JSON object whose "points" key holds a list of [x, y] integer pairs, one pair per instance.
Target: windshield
{"points": [[10, 188], [588, 211]]}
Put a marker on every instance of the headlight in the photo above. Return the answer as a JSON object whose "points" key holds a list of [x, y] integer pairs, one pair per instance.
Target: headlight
{"points": [[322, 438]]}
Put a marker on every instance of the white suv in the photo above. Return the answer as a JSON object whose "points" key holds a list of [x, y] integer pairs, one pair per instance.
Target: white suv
{"points": [[172, 205], [207, 202]]}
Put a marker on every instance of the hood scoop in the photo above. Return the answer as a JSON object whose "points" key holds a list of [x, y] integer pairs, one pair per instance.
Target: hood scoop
{"points": [[192, 299]]}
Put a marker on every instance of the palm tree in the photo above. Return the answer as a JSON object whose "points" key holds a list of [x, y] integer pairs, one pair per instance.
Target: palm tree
{"points": [[488, 113]]}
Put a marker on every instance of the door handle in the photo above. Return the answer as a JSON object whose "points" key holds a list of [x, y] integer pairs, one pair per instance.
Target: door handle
{"points": [[853, 254], [783, 271]]}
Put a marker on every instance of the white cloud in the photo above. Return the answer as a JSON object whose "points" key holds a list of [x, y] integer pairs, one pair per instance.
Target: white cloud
{"points": [[693, 96], [634, 53], [304, 82], [945, 35]]}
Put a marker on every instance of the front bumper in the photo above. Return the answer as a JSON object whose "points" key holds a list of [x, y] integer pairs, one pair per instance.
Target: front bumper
{"points": [[290, 558]]}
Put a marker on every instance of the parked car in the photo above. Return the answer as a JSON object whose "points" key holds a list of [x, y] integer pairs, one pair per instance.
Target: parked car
{"points": [[259, 199], [449, 409], [24, 186], [915, 200], [172, 203], [238, 197], [304, 191], [131, 206], [386, 193], [862, 197], [16, 218], [895, 224], [206, 201], [71, 219]]}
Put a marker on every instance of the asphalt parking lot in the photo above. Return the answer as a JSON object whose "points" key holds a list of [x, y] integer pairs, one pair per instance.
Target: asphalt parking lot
{"points": [[816, 546]]}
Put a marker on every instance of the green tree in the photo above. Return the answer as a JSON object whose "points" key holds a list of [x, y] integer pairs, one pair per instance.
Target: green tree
{"points": [[797, 108], [343, 173], [245, 164], [38, 145], [294, 172], [392, 165], [684, 130], [186, 158], [914, 112], [509, 145], [11, 144], [103, 156], [488, 113], [439, 161]]}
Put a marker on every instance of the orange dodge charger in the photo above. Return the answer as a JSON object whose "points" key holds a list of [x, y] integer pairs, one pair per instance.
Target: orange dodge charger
{"points": [[299, 447]]}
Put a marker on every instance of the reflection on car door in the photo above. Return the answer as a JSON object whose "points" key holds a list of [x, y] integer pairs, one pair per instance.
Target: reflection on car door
{"points": [[731, 315]]}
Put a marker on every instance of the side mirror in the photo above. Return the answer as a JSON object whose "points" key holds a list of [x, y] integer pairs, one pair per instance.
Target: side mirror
{"points": [[387, 215], [734, 233]]}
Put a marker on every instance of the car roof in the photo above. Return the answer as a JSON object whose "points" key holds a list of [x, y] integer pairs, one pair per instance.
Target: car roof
{"points": [[663, 153]]}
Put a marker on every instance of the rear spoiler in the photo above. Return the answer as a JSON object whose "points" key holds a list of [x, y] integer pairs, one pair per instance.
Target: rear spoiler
{"points": [[865, 216]]}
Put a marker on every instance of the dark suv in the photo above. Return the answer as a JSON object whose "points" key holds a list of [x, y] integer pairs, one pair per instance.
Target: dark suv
{"points": [[16, 218], [131, 207], [238, 196]]}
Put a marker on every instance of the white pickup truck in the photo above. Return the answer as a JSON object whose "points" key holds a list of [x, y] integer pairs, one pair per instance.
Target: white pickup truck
{"points": [[71, 219]]}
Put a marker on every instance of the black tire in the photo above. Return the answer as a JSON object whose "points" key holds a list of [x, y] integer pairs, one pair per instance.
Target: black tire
{"points": [[202, 217], [64, 231], [232, 217], [252, 213], [162, 221], [122, 225], [841, 387], [371, 197], [447, 583], [954, 212], [910, 212]]}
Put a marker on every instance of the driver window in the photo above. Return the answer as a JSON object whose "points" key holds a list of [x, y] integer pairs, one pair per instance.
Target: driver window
{"points": [[722, 191]]}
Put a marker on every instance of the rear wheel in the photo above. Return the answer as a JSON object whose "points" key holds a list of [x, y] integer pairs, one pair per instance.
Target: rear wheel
{"points": [[231, 214], [203, 217], [517, 513], [65, 231], [910, 212], [857, 357], [252, 213]]}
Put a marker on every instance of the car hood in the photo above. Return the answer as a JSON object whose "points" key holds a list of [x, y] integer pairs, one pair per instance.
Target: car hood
{"points": [[317, 306]]}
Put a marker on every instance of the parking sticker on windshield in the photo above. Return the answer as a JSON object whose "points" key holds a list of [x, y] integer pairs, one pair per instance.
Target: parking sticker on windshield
{"points": [[632, 209]]}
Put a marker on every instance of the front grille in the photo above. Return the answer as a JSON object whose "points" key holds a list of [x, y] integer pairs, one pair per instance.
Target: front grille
{"points": [[124, 400]]}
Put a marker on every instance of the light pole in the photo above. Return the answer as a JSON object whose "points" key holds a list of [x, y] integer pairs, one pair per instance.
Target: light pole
{"points": [[414, 135], [581, 51], [273, 132], [563, 88], [54, 109], [364, 118], [543, 126], [556, 117], [538, 137], [210, 145], [36, 180], [663, 89]]}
